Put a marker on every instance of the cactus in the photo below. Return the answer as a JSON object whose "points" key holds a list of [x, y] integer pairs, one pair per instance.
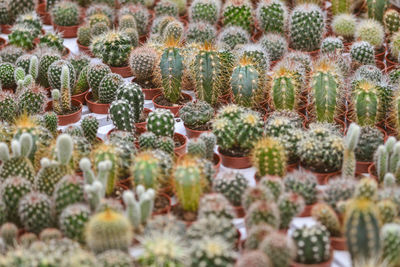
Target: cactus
{"points": [[45, 61], [391, 21], [200, 32], [390, 234], [187, 182], [370, 31], [362, 229], [331, 45], [127, 21], [11, 53], [210, 140], [303, 183], [32, 100], [350, 143], [368, 72], [108, 87], [279, 248], [72, 221], [233, 36], [163, 248], [306, 27], [84, 35], [369, 140], [326, 216], [289, 205], [9, 233], [313, 244], [65, 13], [212, 251], [147, 140], [196, 147], [238, 13], [113, 48], [275, 45], [215, 204], [254, 259], [98, 30], [108, 230], [53, 40], [340, 7], [274, 186], [69, 190], [256, 235], [90, 125], [95, 75], [34, 210], [54, 73], [112, 258], [12, 190], [143, 61], [62, 98], [146, 170], [362, 53], [22, 36], [376, 9], [204, 10], [107, 153], [18, 164], [8, 106], [196, 114], [321, 153], [262, 212], [166, 8], [140, 13], [100, 9], [7, 75], [139, 211], [272, 16], [394, 46], [387, 211], [232, 186], [256, 54], [99, 18], [161, 122]]}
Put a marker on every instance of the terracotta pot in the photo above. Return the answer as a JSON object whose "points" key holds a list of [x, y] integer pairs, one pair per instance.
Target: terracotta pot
{"points": [[84, 49], [380, 64], [339, 243], [67, 31], [173, 109], [96, 107], [193, 133], [70, 118], [372, 171], [389, 62], [362, 167], [141, 126], [235, 162], [6, 28], [217, 162], [46, 17], [3, 43], [181, 150], [381, 55], [149, 94], [123, 71], [166, 209], [80, 97], [240, 213], [187, 223], [307, 211], [327, 263], [292, 167], [66, 52], [322, 177]]}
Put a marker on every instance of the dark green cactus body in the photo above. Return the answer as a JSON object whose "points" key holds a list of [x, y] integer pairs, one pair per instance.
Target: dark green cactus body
{"points": [[238, 13], [73, 220], [171, 66], [49, 176], [44, 63], [7, 75], [108, 87], [366, 104], [246, 84], [272, 16], [82, 84], [89, 126], [12, 190], [122, 116], [391, 20], [18, 166], [69, 190], [95, 74], [35, 212], [161, 122], [132, 92], [54, 73], [376, 9], [8, 106]]}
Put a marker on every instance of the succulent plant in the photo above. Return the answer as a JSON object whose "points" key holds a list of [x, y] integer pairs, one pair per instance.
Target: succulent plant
{"points": [[9, 233], [338, 190], [275, 45], [8, 106], [140, 13], [54, 73], [212, 251], [11, 53], [376, 9], [143, 62], [326, 216], [55, 40], [344, 25], [84, 35], [7, 75], [303, 183], [280, 248], [232, 186], [370, 139], [238, 13], [233, 36], [112, 258], [22, 36], [200, 32], [161, 122], [362, 53], [65, 13], [72, 221], [210, 140], [196, 114], [46, 60], [215, 204], [290, 205], [391, 21], [313, 244], [262, 212], [89, 126], [139, 211], [69, 190], [253, 258], [166, 8], [32, 99], [370, 31], [331, 45], [204, 10], [390, 234], [350, 143], [95, 75], [108, 87]]}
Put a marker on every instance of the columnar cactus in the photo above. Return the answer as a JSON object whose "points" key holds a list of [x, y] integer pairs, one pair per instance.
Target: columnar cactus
{"points": [[362, 53], [350, 143], [146, 170], [303, 183], [370, 31], [95, 75], [108, 230], [34, 210], [188, 184], [232, 186], [73, 220], [376, 9], [232, 37], [306, 27], [204, 10], [313, 244], [387, 158], [279, 248], [132, 93], [362, 229], [340, 7], [272, 16], [161, 122], [326, 216], [366, 103], [238, 13], [62, 98], [391, 20], [65, 13], [139, 211], [210, 140]]}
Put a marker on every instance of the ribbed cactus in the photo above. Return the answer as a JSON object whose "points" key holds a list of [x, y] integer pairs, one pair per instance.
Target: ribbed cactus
{"points": [[290, 205], [65, 13], [69, 190], [272, 16], [331, 45], [262, 212], [143, 62], [313, 244], [200, 32], [84, 36], [232, 186], [188, 184], [204, 10], [45, 61], [280, 248], [139, 211], [370, 139], [269, 157], [132, 93], [108, 230], [7, 75], [54, 73], [32, 99], [62, 104], [366, 188], [303, 183], [390, 239], [350, 143], [362, 53], [340, 7], [108, 87], [110, 170], [326, 216], [161, 122], [233, 36], [146, 170], [8, 106], [306, 27], [376, 9], [326, 88], [95, 75], [247, 83], [73, 220], [275, 45], [391, 20], [89, 126], [212, 251], [166, 8], [366, 103], [371, 31], [238, 13], [362, 229]]}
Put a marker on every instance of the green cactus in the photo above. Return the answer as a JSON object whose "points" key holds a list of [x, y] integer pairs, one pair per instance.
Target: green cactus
{"points": [[303, 183], [113, 258], [52, 40], [238, 13], [139, 211], [108, 230], [212, 251], [81, 84], [108, 152], [362, 53], [161, 122], [34, 210], [166, 8], [350, 143], [95, 75], [331, 45], [7, 75], [196, 114], [262, 212], [65, 13], [390, 234], [143, 62], [256, 235], [391, 20], [394, 46], [376, 9], [84, 35], [313, 244], [204, 10], [200, 32], [108, 87], [210, 140], [306, 27], [32, 100], [289, 205], [187, 181], [340, 7], [362, 229], [45, 61], [147, 140], [54, 73], [127, 21], [146, 170], [140, 13], [22, 36], [275, 45], [371, 31], [274, 186], [272, 16], [72, 221], [69, 190], [11, 53], [279, 248], [253, 258], [90, 125], [366, 102], [8, 106], [215, 204], [99, 18], [387, 211], [326, 216], [62, 98], [232, 186], [233, 36], [370, 139]]}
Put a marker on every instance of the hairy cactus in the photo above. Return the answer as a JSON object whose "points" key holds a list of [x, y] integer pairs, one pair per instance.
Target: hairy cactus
{"points": [[108, 230], [272, 16], [34, 210], [275, 45], [143, 62], [232, 186], [306, 27], [53, 40], [369, 140], [362, 229], [362, 53], [340, 7], [22, 36], [45, 61], [390, 236], [200, 32], [313, 244], [370, 31], [391, 20], [331, 45], [8, 106], [238, 13], [262, 212], [11, 53], [54, 73], [127, 21], [139, 211], [84, 35], [108, 87], [161, 122], [7, 75], [254, 259], [303, 183], [326, 216], [166, 8], [350, 143], [95, 75], [215, 204], [289, 205], [204, 10], [233, 36], [72, 221], [279, 248], [212, 251], [376, 9], [65, 13], [32, 99], [69, 190]]}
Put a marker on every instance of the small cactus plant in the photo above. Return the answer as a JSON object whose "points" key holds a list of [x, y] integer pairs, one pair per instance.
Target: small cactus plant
{"points": [[139, 211], [350, 143], [376, 9], [303, 183], [272, 16], [280, 248], [362, 53], [391, 21], [238, 13], [161, 122], [212, 251], [65, 13], [232, 186], [370, 31]]}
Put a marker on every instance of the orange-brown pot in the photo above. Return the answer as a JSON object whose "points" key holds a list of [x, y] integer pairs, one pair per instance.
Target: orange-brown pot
{"points": [[339, 243], [123, 71], [217, 162], [6, 28], [166, 209], [141, 126], [307, 211], [70, 118], [362, 167], [193, 133], [323, 177], [327, 263], [84, 49], [181, 150], [291, 167], [240, 213], [46, 17], [150, 93], [66, 52], [235, 162], [173, 109], [67, 31], [80, 97], [96, 107]]}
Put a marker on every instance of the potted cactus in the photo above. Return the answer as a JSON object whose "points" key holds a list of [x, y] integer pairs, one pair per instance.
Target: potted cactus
{"points": [[66, 18], [236, 129], [196, 117], [68, 110]]}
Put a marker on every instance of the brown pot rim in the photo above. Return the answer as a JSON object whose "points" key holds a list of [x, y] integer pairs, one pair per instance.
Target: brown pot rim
{"points": [[338, 243], [194, 133], [94, 107], [327, 263], [67, 31], [178, 149], [125, 71], [173, 109], [245, 161], [76, 114], [166, 209]]}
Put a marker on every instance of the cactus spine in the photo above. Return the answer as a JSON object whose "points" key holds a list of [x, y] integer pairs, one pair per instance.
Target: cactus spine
{"points": [[350, 143]]}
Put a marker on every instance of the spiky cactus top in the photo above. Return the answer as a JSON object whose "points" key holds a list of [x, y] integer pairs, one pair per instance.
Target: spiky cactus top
{"points": [[161, 122], [362, 53], [371, 31], [306, 27], [205, 10], [272, 16], [238, 13], [143, 62], [65, 13]]}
